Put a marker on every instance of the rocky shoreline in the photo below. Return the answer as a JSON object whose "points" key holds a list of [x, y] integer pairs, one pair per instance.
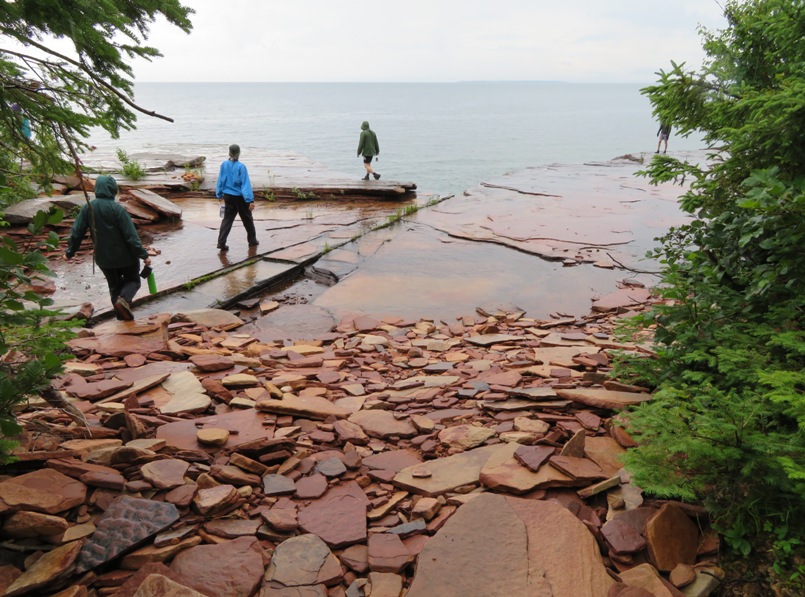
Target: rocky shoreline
{"points": [[384, 457]]}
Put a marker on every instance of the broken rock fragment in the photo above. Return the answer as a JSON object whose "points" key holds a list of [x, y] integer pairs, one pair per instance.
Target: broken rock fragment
{"points": [[125, 524]]}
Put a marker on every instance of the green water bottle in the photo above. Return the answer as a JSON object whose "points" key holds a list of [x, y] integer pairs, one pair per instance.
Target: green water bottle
{"points": [[152, 283]]}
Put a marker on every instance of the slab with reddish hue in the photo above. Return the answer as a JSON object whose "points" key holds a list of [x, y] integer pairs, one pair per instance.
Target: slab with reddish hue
{"points": [[248, 424], [392, 460], [210, 318], [605, 452], [672, 538], [465, 437], [212, 362], [165, 474], [312, 487], [118, 345], [621, 299], [446, 474], [624, 532], [303, 560], [338, 518], [233, 568], [580, 469], [383, 424], [47, 491], [507, 547], [50, 568], [599, 398], [315, 407], [387, 553], [533, 457], [512, 477]]}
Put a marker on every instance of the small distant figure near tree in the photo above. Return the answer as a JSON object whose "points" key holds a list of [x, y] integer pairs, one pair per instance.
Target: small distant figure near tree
{"points": [[24, 122], [368, 147], [663, 133]]}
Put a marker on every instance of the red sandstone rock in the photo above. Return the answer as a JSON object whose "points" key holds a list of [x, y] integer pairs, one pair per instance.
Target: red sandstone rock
{"points": [[165, 474], [312, 487], [47, 491], [672, 538], [46, 571], [533, 457], [303, 561], [233, 568], [387, 553], [339, 518]]}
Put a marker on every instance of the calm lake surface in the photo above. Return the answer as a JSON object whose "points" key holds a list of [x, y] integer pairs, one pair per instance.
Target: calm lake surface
{"points": [[445, 137]]}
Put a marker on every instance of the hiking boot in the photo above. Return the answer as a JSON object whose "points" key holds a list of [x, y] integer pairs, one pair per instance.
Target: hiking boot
{"points": [[123, 309], [365, 177], [376, 175], [223, 247]]}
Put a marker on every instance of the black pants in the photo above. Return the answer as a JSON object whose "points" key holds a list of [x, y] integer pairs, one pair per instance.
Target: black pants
{"points": [[236, 205], [123, 281]]}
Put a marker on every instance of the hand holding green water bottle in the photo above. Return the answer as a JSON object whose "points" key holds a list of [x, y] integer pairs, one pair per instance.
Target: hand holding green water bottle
{"points": [[148, 274]]}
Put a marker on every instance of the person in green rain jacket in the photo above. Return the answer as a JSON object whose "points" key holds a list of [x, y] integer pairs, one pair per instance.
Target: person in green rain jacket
{"points": [[368, 147], [117, 246]]}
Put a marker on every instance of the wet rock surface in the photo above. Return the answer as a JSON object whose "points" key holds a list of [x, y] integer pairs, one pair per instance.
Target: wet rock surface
{"points": [[357, 471], [557, 228], [346, 441]]}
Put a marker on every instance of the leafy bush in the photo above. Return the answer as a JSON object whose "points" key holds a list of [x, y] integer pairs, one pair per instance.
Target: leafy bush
{"points": [[32, 340], [727, 425], [132, 169], [63, 95]]}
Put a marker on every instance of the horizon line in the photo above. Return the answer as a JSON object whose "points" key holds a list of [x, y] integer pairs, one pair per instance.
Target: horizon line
{"points": [[549, 81]]}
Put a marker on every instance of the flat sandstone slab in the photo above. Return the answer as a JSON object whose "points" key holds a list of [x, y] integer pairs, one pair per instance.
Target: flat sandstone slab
{"points": [[496, 546], [600, 398], [446, 474]]}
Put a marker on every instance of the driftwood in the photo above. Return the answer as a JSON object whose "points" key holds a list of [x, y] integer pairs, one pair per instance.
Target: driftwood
{"points": [[55, 399]]}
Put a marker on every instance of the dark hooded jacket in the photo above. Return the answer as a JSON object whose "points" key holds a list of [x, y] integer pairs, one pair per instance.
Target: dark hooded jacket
{"points": [[116, 240], [368, 145]]}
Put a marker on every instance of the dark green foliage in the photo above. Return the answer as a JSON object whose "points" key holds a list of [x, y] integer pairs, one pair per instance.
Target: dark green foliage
{"points": [[65, 94], [727, 425], [32, 341], [62, 95]]}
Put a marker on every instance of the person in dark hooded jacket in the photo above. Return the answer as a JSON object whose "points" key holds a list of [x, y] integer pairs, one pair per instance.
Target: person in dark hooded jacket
{"points": [[117, 246], [368, 147]]}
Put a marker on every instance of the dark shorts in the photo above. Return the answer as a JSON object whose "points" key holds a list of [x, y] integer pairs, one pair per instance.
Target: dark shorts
{"points": [[367, 159]]}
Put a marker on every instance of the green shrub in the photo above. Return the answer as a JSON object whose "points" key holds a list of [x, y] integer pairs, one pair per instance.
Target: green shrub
{"points": [[32, 340], [727, 423], [132, 169]]}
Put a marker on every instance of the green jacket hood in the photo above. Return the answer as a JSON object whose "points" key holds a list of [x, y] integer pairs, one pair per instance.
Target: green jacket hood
{"points": [[105, 187], [365, 125]]}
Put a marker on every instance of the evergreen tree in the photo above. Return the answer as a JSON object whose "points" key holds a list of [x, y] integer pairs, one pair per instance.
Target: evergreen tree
{"points": [[49, 102], [65, 94], [727, 425]]}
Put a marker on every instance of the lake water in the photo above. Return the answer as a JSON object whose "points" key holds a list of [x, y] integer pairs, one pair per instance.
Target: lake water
{"points": [[445, 137]]}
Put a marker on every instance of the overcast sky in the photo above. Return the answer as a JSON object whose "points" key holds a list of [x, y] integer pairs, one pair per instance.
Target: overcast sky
{"points": [[431, 40]]}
